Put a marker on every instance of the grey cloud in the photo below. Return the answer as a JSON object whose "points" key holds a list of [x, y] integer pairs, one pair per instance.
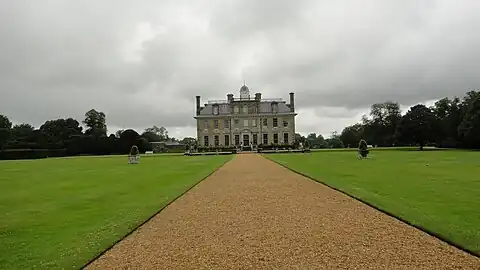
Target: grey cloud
{"points": [[60, 58]]}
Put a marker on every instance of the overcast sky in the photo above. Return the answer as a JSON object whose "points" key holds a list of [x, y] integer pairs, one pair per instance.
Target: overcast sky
{"points": [[142, 62]]}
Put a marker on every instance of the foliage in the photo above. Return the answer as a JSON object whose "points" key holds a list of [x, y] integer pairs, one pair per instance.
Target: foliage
{"points": [[96, 123], [469, 128], [134, 151], [351, 135], [5, 126], [161, 132], [442, 197], [418, 126], [11, 154], [363, 148]]}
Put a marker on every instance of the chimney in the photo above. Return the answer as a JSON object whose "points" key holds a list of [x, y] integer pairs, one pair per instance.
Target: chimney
{"points": [[292, 102], [230, 98], [198, 105], [258, 96]]}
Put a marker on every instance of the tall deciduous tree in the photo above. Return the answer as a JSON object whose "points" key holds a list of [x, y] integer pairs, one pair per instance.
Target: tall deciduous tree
{"points": [[380, 128], [351, 135], [417, 126], [96, 123], [469, 128], [160, 131], [449, 116], [5, 126]]}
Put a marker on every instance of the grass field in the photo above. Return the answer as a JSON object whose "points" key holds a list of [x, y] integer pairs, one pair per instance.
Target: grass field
{"points": [[60, 213], [437, 190]]}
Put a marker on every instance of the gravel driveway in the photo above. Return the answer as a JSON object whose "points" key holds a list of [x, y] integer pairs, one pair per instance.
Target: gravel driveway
{"points": [[255, 214]]}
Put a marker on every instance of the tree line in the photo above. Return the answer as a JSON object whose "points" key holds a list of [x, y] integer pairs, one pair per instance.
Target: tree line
{"points": [[66, 137], [449, 123]]}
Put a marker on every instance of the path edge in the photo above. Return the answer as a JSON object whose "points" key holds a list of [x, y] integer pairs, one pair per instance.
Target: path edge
{"points": [[153, 215], [386, 212]]}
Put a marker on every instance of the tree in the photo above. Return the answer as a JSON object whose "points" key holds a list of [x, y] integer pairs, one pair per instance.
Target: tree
{"points": [[160, 131], [417, 126], [469, 128], [151, 136], [22, 136], [380, 128], [449, 116], [5, 126], [96, 123], [61, 129], [334, 141], [363, 148], [119, 133], [351, 135], [189, 141], [315, 141]]}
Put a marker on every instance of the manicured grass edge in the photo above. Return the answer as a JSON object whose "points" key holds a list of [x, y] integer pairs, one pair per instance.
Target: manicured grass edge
{"points": [[152, 216], [425, 230]]}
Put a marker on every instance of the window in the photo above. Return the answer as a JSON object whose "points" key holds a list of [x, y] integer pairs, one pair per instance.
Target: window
{"points": [[255, 139], [235, 109], [245, 109], [205, 124], [275, 122], [215, 109], [285, 137], [216, 140], [237, 139], [265, 138], [215, 123], [227, 140], [274, 107], [226, 123], [254, 122], [285, 123], [275, 138], [205, 140], [265, 122], [245, 123]]}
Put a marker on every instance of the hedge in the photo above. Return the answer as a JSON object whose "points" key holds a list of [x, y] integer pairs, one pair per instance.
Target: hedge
{"points": [[11, 154]]}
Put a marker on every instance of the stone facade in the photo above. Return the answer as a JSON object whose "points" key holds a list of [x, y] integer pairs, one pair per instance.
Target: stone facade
{"points": [[245, 121]]}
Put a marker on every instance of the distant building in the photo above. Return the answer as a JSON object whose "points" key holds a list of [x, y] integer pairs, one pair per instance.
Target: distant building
{"points": [[245, 121], [165, 146]]}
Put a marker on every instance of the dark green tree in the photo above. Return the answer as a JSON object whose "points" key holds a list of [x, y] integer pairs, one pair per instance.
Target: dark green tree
{"points": [[351, 135], [469, 128], [417, 126], [363, 148], [96, 123], [5, 130]]}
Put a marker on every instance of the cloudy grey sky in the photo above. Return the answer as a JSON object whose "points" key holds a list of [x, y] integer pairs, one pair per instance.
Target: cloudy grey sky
{"points": [[142, 62]]}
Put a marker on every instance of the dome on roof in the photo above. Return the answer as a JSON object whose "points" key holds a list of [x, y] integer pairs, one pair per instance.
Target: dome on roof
{"points": [[244, 88], [244, 92]]}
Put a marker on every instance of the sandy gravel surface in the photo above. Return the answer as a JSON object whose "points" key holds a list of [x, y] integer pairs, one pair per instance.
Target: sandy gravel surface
{"points": [[255, 214]]}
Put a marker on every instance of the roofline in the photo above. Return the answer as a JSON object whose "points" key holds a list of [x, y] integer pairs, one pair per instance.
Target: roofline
{"points": [[244, 115]]}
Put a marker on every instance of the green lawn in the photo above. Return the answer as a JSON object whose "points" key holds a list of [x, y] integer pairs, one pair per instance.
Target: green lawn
{"points": [[437, 190], [60, 213]]}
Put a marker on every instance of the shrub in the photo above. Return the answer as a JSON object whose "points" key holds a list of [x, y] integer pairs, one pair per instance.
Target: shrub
{"points": [[134, 150], [363, 148]]}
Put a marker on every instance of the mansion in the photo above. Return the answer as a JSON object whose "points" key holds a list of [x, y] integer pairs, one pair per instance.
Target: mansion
{"points": [[245, 120]]}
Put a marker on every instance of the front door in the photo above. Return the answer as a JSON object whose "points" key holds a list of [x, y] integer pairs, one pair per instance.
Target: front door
{"points": [[246, 140]]}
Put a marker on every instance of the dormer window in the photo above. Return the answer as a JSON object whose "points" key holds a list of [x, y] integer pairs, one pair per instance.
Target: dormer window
{"points": [[215, 109], [274, 107]]}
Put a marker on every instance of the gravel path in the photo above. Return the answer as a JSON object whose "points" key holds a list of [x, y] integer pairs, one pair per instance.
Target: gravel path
{"points": [[255, 214]]}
